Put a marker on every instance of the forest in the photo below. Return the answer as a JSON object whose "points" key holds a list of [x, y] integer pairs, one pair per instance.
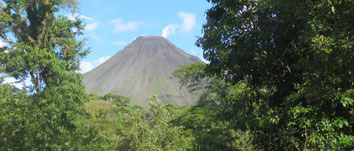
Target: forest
{"points": [[280, 77]]}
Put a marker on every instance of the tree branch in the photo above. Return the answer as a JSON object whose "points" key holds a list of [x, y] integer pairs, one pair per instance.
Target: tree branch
{"points": [[38, 81], [305, 143], [6, 39], [33, 80]]}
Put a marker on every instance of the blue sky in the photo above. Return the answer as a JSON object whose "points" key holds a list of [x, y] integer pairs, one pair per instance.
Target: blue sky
{"points": [[113, 24]]}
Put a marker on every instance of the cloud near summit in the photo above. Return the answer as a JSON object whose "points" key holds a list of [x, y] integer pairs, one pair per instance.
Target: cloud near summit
{"points": [[188, 23], [169, 29], [86, 66]]}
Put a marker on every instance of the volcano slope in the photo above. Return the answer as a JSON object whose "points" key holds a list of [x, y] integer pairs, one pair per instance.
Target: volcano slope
{"points": [[142, 69]]}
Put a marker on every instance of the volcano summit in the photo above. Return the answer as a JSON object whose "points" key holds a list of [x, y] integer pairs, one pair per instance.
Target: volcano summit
{"points": [[141, 69]]}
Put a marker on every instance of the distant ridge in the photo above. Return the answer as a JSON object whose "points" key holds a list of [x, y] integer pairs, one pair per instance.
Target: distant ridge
{"points": [[141, 69]]}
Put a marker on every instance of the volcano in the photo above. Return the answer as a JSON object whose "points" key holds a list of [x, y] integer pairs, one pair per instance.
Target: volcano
{"points": [[142, 69]]}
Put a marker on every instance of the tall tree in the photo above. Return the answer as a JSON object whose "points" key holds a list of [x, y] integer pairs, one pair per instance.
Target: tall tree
{"points": [[43, 47], [297, 59], [40, 45]]}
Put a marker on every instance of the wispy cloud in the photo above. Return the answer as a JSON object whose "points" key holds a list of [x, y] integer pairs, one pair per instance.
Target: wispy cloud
{"points": [[89, 27], [169, 29], [188, 21], [87, 66], [92, 26], [75, 16], [120, 26], [120, 43]]}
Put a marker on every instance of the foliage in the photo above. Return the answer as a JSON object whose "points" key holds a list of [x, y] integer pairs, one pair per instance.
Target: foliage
{"points": [[37, 122], [296, 61], [192, 76], [125, 127], [120, 100], [279, 78], [103, 116], [206, 121], [42, 47], [94, 96], [150, 130]]}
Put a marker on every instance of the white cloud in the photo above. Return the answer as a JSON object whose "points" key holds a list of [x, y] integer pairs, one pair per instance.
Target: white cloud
{"points": [[74, 16], [87, 66], [92, 26], [169, 29], [120, 26], [14, 82], [86, 18], [188, 21], [71, 16], [10, 80], [186, 26], [2, 44], [120, 43], [89, 27]]}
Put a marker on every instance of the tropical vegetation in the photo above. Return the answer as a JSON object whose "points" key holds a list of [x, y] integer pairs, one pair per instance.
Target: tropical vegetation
{"points": [[279, 77]]}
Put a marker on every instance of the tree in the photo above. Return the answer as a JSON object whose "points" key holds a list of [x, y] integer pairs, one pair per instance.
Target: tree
{"points": [[208, 121], [142, 130], [43, 47], [119, 100], [296, 60]]}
